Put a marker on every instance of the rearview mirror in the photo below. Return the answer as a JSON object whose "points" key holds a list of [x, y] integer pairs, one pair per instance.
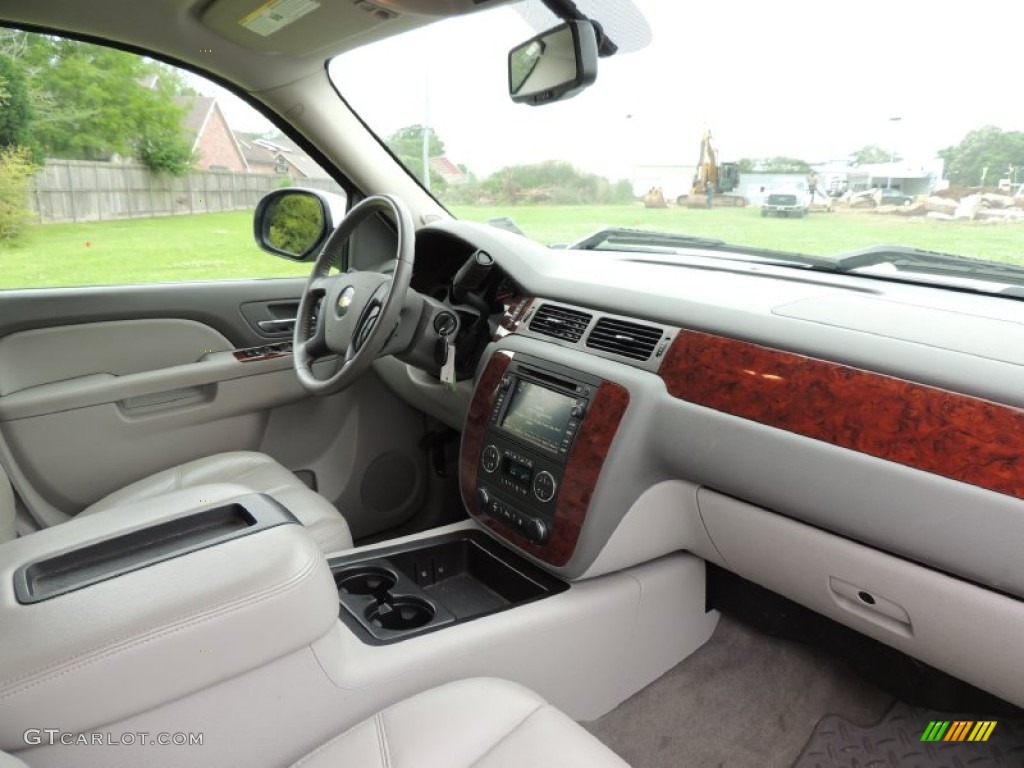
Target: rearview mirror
{"points": [[555, 65], [293, 223]]}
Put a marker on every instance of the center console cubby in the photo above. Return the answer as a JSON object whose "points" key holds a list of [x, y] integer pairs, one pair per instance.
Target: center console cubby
{"points": [[403, 591]]}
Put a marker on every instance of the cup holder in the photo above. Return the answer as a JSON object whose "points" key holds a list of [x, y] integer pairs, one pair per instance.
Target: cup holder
{"points": [[400, 613], [368, 580], [385, 602]]}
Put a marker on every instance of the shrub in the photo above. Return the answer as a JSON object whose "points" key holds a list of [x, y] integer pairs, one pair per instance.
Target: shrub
{"points": [[16, 169]]}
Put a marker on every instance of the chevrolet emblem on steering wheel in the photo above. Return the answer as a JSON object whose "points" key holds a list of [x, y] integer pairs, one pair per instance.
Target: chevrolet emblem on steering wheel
{"points": [[345, 300]]}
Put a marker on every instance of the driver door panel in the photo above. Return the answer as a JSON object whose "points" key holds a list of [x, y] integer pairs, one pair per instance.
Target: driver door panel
{"points": [[102, 387]]}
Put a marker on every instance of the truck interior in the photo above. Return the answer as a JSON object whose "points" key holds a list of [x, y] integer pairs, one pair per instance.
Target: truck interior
{"points": [[444, 495]]}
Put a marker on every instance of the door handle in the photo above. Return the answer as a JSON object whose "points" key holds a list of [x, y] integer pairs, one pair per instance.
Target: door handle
{"points": [[871, 606], [281, 325]]}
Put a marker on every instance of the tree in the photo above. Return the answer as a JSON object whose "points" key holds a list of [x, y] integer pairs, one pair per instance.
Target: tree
{"points": [[872, 153], [16, 151], [777, 164], [984, 156], [555, 181], [94, 102], [15, 111], [16, 169], [782, 164], [163, 147], [407, 145]]}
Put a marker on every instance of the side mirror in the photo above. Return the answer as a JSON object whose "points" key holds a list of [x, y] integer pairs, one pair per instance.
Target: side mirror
{"points": [[555, 65], [294, 223]]}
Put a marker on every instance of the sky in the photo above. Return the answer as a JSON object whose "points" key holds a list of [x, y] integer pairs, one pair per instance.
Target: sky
{"points": [[813, 80]]}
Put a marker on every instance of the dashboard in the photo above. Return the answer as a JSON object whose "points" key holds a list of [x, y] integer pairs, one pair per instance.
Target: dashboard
{"points": [[852, 443]]}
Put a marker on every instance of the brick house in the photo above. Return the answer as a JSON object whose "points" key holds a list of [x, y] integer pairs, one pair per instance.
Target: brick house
{"points": [[213, 142], [218, 148], [448, 170], [280, 156]]}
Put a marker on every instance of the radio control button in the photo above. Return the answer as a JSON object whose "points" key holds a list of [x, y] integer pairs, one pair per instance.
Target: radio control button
{"points": [[544, 486], [578, 410], [483, 498], [490, 459]]}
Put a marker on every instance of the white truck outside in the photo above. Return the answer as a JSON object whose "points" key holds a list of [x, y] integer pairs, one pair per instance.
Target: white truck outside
{"points": [[789, 199]]}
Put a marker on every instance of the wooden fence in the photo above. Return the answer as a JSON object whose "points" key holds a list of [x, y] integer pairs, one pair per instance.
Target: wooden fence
{"points": [[80, 190]]}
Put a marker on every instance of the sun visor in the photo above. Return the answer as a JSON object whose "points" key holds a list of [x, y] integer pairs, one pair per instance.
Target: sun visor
{"points": [[301, 27]]}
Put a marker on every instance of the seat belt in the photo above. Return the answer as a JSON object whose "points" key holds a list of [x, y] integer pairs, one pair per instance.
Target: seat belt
{"points": [[7, 510]]}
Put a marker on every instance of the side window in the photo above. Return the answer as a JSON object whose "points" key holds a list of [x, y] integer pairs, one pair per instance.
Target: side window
{"points": [[118, 169]]}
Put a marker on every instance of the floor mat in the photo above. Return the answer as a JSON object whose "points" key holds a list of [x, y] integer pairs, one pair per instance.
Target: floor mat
{"points": [[744, 700], [896, 742]]}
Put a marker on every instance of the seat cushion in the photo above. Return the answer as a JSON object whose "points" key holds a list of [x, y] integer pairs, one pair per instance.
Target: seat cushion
{"points": [[481, 722], [9, 761], [255, 471]]}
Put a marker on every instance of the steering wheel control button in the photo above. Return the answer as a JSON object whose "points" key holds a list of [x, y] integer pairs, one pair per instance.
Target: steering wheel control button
{"points": [[544, 486], [490, 459]]}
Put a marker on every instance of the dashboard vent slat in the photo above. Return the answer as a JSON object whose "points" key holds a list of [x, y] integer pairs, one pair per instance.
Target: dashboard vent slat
{"points": [[624, 338], [560, 322]]}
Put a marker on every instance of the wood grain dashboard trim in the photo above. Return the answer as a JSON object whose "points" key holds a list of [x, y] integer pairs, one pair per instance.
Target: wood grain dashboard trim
{"points": [[582, 470], [476, 426], [517, 309], [957, 436]]}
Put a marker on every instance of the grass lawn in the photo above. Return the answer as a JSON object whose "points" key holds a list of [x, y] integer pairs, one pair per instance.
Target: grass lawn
{"points": [[220, 245], [166, 249], [820, 234]]}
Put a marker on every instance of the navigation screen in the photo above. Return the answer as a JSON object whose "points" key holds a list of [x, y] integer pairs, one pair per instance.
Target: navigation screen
{"points": [[538, 415]]}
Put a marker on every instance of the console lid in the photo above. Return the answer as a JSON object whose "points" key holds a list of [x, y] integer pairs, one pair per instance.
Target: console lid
{"points": [[114, 613]]}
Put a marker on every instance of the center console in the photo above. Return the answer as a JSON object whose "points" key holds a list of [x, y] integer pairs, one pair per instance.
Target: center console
{"points": [[413, 588], [532, 426], [533, 449]]}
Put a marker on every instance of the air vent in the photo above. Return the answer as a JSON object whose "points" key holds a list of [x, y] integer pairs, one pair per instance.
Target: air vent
{"points": [[624, 338], [560, 322]]}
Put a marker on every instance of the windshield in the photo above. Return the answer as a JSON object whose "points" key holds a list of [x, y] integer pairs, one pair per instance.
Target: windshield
{"points": [[923, 151]]}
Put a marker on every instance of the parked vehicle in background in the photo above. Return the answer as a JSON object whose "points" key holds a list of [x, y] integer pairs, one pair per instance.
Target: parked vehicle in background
{"points": [[894, 197], [791, 198]]}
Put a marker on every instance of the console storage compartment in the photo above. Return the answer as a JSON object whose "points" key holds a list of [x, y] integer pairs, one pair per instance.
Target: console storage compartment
{"points": [[128, 552], [398, 592]]}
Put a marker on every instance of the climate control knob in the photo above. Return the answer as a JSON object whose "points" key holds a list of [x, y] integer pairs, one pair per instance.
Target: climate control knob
{"points": [[544, 486], [536, 530], [490, 459]]}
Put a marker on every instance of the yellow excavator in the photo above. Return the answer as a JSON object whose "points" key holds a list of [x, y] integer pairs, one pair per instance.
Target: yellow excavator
{"points": [[724, 178]]}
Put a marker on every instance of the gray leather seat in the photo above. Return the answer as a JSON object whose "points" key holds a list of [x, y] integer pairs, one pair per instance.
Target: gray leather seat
{"points": [[256, 472], [481, 722]]}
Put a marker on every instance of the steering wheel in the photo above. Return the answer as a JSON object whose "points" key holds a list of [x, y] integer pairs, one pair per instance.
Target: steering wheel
{"points": [[359, 311]]}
